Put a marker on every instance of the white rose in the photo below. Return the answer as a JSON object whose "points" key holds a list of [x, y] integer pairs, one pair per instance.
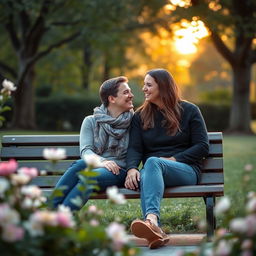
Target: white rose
{"points": [[54, 154], [93, 160], [251, 205], [4, 185], [222, 206], [115, 196], [8, 85], [238, 225]]}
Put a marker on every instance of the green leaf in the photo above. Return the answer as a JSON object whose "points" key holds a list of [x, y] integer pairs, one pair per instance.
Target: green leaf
{"points": [[5, 108], [89, 173], [77, 201]]}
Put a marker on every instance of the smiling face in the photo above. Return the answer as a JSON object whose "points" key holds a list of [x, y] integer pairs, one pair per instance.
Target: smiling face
{"points": [[123, 99], [151, 90]]}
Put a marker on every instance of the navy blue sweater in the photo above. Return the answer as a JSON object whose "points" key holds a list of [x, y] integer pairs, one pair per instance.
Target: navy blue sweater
{"points": [[189, 145]]}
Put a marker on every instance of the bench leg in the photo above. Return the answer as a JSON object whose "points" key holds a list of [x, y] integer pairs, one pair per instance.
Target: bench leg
{"points": [[211, 220]]}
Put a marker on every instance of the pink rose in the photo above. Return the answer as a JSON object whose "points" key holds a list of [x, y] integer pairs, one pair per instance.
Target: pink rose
{"points": [[12, 233], [31, 172], [64, 219], [7, 168]]}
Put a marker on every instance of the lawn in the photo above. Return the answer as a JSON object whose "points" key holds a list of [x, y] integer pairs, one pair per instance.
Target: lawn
{"points": [[181, 215]]}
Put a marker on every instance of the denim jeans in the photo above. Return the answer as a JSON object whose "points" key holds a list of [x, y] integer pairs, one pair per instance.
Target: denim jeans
{"points": [[158, 173], [71, 180]]}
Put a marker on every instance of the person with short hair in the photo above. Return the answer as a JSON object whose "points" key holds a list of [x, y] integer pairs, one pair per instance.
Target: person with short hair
{"points": [[169, 136], [105, 134]]}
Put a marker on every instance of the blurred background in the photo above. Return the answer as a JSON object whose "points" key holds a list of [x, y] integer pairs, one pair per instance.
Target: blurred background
{"points": [[58, 52]]}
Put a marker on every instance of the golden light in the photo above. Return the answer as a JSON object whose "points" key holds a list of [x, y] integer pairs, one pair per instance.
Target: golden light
{"points": [[169, 8], [214, 5], [180, 3], [183, 63], [187, 35]]}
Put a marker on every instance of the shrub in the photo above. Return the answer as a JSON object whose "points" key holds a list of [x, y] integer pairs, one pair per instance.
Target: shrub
{"points": [[64, 112], [237, 236], [29, 228]]}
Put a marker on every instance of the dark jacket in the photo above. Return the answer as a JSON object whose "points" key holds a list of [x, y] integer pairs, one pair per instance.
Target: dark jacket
{"points": [[189, 145]]}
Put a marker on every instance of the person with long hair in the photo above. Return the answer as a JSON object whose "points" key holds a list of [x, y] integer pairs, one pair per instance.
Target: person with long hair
{"points": [[106, 135], [169, 136]]}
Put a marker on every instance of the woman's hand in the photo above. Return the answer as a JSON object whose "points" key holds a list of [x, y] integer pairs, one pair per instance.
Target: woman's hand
{"points": [[111, 166], [132, 179]]}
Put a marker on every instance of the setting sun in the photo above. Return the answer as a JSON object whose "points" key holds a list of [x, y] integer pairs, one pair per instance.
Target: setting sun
{"points": [[187, 35]]}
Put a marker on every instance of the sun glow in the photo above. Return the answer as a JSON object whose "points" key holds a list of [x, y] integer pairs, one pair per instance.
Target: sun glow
{"points": [[187, 35]]}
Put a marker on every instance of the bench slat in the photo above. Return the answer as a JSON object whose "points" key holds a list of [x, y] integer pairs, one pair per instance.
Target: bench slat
{"points": [[48, 140], [66, 140], [212, 178], [210, 164], [51, 180], [182, 191], [35, 153], [72, 152]]}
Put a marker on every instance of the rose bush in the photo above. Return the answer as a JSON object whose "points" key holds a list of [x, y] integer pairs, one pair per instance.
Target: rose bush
{"points": [[237, 236], [29, 227]]}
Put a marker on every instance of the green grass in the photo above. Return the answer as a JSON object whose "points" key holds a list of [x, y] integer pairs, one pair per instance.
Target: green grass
{"points": [[181, 215]]}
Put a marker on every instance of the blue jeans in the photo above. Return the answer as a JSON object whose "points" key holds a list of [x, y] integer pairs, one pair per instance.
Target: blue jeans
{"points": [[158, 173], [71, 180]]}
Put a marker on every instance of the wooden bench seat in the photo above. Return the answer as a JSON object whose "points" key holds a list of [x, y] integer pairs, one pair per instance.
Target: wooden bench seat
{"points": [[27, 150]]}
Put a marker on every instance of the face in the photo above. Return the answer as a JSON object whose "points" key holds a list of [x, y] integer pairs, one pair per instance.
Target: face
{"points": [[151, 90], [124, 98]]}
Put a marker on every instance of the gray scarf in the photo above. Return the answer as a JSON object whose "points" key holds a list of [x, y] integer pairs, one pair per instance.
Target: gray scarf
{"points": [[111, 133]]}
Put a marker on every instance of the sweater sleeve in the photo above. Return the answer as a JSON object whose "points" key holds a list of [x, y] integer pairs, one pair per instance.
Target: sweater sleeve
{"points": [[199, 144], [135, 148], [86, 139]]}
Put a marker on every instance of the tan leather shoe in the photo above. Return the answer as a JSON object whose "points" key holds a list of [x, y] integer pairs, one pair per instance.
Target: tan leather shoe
{"points": [[154, 234]]}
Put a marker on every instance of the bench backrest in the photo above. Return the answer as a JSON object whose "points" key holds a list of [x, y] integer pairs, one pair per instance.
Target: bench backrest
{"points": [[27, 150]]}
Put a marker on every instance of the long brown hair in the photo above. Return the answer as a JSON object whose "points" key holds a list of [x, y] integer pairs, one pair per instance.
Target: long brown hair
{"points": [[169, 95]]}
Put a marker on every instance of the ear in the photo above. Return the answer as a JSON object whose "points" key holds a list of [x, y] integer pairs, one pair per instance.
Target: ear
{"points": [[111, 99]]}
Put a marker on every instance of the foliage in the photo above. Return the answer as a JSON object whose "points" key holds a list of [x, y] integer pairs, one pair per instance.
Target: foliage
{"points": [[217, 96], [234, 20], [28, 227], [96, 30], [237, 236]]}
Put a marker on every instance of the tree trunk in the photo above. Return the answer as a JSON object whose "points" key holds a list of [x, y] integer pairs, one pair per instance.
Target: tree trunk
{"points": [[106, 70], [240, 116], [86, 67], [24, 105]]}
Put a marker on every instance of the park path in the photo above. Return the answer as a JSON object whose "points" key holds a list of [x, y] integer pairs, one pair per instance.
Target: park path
{"points": [[178, 242]]}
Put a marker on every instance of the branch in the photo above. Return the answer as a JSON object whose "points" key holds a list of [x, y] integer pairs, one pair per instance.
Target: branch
{"points": [[41, 54], [38, 27], [25, 23], [12, 33], [8, 69], [64, 23], [246, 49], [222, 48], [56, 45], [134, 26]]}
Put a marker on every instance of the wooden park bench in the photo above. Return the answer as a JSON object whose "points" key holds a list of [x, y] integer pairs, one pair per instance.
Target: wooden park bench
{"points": [[27, 150]]}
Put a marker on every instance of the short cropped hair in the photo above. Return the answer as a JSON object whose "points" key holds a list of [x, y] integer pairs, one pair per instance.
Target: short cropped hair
{"points": [[110, 88]]}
